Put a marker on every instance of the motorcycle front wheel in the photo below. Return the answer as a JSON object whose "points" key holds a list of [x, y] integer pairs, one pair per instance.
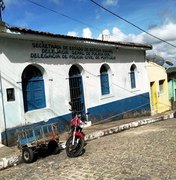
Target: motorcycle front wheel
{"points": [[74, 150]]}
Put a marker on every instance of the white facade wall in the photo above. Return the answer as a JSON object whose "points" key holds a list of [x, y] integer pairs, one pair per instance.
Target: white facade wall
{"points": [[15, 56]]}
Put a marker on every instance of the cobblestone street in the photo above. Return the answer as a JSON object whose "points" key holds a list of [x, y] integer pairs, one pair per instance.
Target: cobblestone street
{"points": [[142, 153]]}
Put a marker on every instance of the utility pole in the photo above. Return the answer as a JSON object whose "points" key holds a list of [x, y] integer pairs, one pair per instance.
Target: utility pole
{"points": [[3, 109], [2, 7]]}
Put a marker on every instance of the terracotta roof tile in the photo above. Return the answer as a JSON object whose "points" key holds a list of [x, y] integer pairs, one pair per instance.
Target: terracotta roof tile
{"points": [[118, 43]]}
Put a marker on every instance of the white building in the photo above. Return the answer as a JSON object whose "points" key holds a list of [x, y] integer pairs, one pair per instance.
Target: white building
{"points": [[40, 73]]}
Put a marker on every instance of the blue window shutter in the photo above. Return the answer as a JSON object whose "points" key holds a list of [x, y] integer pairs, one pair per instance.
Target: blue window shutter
{"points": [[133, 80], [104, 83]]}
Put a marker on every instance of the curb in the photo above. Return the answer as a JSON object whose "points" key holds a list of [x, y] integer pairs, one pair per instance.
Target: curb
{"points": [[123, 127], [15, 160], [10, 161]]}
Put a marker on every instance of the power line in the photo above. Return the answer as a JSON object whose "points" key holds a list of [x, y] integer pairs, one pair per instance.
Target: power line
{"points": [[131, 23], [64, 15]]}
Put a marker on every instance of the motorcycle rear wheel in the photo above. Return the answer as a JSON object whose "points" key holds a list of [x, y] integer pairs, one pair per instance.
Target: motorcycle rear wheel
{"points": [[75, 149]]}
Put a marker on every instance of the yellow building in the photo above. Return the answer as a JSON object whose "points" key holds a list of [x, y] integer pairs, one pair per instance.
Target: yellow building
{"points": [[159, 100]]}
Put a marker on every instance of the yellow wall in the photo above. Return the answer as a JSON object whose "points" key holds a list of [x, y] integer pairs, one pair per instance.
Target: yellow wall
{"points": [[158, 88]]}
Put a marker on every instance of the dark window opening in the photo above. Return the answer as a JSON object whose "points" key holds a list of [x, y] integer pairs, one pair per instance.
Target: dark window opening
{"points": [[74, 71], [132, 76], [10, 94], [31, 73], [161, 86]]}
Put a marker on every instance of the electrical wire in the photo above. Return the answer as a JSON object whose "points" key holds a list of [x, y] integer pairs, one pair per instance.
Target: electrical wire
{"points": [[124, 89], [78, 21], [116, 114], [116, 15], [64, 15]]}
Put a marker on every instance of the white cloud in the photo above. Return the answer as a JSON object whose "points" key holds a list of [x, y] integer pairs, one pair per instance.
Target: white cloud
{"points": [[87, 33], [110, 2], [106, 32], [166, 32], [72, 33], [115, 35], [118, 35]]}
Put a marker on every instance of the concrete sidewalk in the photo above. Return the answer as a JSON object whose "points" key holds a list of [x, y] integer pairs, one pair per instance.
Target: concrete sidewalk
{"points": [[11, 156]]}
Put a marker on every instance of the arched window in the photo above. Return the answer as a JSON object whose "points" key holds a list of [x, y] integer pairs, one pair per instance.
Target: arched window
{"points": [[74, 71], [76, 90], [104, 80], [132, 76], [33, 88]]}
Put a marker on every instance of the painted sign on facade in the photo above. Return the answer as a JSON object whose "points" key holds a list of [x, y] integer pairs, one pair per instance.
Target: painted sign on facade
{"points": [[70, 52]]}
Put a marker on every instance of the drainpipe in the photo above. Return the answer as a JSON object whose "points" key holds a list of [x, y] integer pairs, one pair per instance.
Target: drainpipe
{"points": [[3, 109]]}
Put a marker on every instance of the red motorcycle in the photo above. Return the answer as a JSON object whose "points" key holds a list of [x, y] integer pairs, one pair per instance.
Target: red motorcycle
{"points": [[75, 143]]}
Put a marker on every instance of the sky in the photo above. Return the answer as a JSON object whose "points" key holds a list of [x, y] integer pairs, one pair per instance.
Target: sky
{"points": [[83, 18]]}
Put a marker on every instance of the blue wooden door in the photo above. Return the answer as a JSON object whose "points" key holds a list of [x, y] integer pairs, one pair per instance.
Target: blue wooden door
{"points": [[33, 89]]}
